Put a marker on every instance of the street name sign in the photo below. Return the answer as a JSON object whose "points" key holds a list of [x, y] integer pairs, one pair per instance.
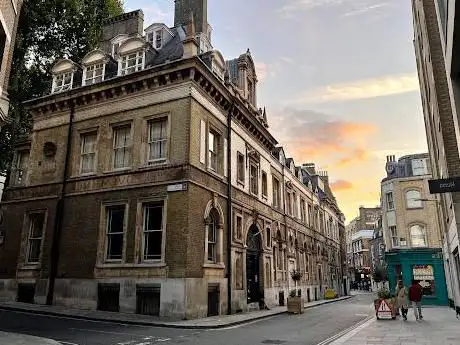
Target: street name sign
{"points": [[384, 311], [448, 185]]}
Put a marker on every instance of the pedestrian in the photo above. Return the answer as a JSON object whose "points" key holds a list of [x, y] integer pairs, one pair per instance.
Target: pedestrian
{"points": [[401, 299], [415, 296]]}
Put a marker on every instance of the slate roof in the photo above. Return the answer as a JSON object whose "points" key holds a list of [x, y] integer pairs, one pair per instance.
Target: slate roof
{"points": [[173, 50]]}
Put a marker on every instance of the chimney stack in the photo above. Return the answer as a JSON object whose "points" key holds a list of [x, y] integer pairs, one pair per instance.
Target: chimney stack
{"points": [[131, 24], [198, 7]]}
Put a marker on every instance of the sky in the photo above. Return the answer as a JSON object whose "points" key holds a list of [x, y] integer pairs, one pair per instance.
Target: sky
{"points": [[338, 79]]}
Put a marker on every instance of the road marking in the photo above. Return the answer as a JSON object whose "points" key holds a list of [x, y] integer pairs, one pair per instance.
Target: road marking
{"points": [[362, 315], [65, 343], [107, 332], [345, 337], [346, 331]]}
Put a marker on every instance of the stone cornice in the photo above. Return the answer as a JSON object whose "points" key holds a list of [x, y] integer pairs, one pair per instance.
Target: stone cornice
{"points": [[192, 69]]}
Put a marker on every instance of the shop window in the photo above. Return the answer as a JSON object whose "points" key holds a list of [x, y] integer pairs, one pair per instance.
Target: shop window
{"points": [[424, 274]]}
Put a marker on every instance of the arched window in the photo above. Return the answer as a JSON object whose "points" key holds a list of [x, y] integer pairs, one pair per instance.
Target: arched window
{"points": [[413, 199], [212, 225], [418, 236]]}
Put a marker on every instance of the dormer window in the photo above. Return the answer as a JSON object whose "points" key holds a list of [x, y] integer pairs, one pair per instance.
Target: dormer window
{"points": [[158, 39], [94, 66], [63, 75], [155, 38], [132, 63], [63, 82], [94, 73], [131, 55]]}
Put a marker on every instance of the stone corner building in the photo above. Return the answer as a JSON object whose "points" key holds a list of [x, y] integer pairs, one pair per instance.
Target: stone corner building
{"points": [[151, 184], [9, 16]]}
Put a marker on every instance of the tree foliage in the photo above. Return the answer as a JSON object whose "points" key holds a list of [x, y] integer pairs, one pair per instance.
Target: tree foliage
{"points": [[48, 30], [380, 273]]}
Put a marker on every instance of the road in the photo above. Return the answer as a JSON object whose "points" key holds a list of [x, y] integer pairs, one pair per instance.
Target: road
{"points": [[310, 328]]}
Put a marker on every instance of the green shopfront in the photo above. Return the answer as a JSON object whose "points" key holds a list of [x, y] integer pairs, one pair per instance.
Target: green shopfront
{"points": [[422, 264]]}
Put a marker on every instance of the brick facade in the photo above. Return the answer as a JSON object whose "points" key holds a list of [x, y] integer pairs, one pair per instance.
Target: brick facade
{"points": [[9, 17], [190, 183]]}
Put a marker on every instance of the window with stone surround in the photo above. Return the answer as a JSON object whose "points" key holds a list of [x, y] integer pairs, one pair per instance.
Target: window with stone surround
{"points": [[276, 193], [389, 201], [115, 232], [394, 236], [21, 165], [238, 227], [413, 199], [122, 154], [153, 231], [35, 237], [418, 236], [157, 140], [254, 179], [214, 151], [302, 211], [212, 233], [241, 168], [264, 184], [288, 203], [88, 152]]}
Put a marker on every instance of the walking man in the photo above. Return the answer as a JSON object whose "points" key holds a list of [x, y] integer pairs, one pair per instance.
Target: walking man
{"points": [[415, 296]]}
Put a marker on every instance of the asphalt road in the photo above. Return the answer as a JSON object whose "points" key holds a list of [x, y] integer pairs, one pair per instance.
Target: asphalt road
{"points": [[310, 328]]}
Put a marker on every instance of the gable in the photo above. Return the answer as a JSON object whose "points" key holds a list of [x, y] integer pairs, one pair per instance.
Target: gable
{"points": [[131, 44], [93, 57], [62, 66]]}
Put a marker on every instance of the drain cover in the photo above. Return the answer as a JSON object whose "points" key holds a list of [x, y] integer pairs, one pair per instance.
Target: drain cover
{"points": [[274, 342]]}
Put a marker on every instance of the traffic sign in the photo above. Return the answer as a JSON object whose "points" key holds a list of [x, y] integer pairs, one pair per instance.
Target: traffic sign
{"points": [[384, 311]]}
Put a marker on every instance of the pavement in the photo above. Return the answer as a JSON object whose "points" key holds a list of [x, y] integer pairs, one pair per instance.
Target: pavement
{"points": [[316, 325], [438, 327], [146, 320], [21, 339]]}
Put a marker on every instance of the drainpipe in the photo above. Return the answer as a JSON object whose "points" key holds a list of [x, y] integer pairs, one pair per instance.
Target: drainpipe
{"points": [[285, 259], [229, 208], [59, 215]]}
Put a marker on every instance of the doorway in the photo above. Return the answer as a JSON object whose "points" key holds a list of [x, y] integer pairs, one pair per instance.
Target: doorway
{"points": [[253, 251]]}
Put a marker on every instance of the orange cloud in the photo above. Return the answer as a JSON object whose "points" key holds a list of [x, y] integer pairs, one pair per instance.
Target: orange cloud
{"points": [[341, 185], [357, 155]]}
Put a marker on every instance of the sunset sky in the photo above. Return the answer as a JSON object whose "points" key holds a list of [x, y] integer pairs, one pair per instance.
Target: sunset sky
{"points": [[338, 78]]}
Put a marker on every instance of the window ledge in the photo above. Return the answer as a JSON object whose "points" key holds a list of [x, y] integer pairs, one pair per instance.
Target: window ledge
{"points": [[154, 165], [212, 265], [30, 267], [240, 183], [216, 174], [109, 265], [117, 171]]}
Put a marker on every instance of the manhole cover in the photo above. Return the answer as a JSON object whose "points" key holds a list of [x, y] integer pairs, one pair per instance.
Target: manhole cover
{"points": [[272, 341]]}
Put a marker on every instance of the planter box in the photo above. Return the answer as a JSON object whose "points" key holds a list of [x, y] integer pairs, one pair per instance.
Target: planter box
{"points": [[384, 313], [295, 305]]}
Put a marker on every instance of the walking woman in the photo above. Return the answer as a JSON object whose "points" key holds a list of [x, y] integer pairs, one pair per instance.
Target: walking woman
{"points": [[402, 299]]}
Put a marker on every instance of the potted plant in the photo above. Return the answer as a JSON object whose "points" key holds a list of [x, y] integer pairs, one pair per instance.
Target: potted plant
{"points": [[295, 302], [381, 311]]}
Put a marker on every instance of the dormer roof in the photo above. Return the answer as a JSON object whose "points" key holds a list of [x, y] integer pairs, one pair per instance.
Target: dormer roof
{"points": [[132, 44], [94, 56], [63, 66]]}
